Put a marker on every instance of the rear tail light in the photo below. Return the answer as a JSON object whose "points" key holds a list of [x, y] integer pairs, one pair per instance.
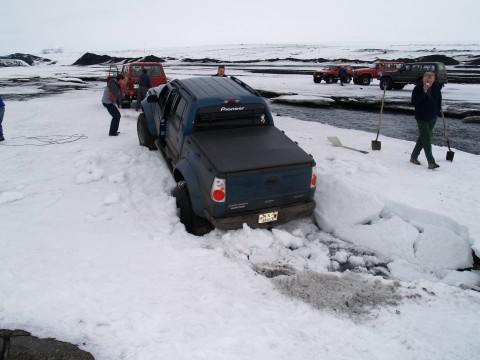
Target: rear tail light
{"points": [[219, 190], [313, 182]]}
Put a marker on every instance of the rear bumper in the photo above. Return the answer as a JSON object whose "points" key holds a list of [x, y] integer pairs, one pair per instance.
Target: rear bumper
{"points": [[285, 214]]}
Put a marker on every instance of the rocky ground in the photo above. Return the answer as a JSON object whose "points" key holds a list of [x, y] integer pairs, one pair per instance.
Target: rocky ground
{"points": [[21, 345]]}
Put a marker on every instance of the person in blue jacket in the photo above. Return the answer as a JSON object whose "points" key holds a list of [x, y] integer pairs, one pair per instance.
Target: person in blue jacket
{"points": [[111, 94], [427, 100], [2, 112]]}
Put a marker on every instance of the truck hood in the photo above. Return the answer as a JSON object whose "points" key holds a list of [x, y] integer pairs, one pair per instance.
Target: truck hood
{"points": [[251, 148]]}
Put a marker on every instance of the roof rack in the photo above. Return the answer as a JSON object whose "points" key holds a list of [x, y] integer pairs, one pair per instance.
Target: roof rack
{"points": [[184, 87], [241, 83]]}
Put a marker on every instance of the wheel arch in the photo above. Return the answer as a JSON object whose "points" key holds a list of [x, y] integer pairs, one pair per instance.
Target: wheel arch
{"points": [[183, 171]]}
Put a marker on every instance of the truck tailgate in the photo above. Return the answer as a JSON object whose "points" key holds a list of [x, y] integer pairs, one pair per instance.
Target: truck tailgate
{"points": [[262, 166]]}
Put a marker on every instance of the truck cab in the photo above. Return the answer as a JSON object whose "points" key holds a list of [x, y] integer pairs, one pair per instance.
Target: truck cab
{"points": [[132, 71], [364, 76], [412, 73]]}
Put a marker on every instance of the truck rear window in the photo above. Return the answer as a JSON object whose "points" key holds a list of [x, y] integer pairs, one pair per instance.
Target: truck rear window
{"points": [[219, 118], [152, 70]]}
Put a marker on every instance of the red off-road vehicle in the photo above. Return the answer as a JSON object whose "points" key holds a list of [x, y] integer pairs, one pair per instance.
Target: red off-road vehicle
{"points": [[131, 72], [329, 73], [364, 76]]}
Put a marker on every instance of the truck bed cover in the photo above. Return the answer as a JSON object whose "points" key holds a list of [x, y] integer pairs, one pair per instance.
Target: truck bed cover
{"points": [[250, 148]]}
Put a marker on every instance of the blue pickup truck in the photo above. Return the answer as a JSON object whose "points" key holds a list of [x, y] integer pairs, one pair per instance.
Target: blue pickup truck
{"points": [[231, 164]]}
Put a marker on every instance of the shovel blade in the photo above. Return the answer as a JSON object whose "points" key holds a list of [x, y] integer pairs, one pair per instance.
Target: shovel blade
{"points": [[450, 155], [376, 145]]}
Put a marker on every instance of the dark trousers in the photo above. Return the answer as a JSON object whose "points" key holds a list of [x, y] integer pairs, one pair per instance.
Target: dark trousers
{"points": [[141, 94], [113, 111], [424, 141], [2, 112]]}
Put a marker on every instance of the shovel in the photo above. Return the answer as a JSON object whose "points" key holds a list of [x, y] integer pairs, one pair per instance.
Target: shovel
{"points": [[377, 145], [336, 143], [450, 153]]}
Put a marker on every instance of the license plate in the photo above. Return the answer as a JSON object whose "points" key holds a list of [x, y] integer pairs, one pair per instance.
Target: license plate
{"points": [[268, 217]]}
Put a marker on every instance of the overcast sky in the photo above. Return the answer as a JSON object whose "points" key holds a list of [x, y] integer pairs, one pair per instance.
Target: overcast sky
{"points": [[94, 25]]}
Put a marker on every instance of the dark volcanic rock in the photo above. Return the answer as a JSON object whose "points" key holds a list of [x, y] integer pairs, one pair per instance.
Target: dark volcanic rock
{"points": [[437, 58], [21, 345], [94, 59], [29, 59], [203, 60], [474, 61], [440, 58]]}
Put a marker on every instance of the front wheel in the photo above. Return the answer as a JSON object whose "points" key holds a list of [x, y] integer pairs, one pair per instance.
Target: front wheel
{"points": [[144, 137], [386, 83], [194, 224], [329, 79], [365, 80]]}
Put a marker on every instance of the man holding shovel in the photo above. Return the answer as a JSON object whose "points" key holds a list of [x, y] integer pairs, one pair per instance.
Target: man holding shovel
{"points": [[427, 100]]}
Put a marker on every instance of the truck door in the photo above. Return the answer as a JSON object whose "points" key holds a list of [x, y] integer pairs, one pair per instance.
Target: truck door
{"points": [[175, 127]]}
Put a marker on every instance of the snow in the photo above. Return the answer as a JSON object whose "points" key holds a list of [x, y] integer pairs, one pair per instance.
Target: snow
{"points": [[92, 250]]}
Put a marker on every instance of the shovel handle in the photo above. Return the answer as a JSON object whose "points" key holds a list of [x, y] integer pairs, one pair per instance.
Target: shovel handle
{"points": [[381, 112], [360, 151], [445, 130]]}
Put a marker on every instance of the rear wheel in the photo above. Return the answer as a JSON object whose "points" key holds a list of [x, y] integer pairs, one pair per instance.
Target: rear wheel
{"points": [[144, 137], [329, 79], [386, 83], [316, 80], [194, 224], [364, 80]]}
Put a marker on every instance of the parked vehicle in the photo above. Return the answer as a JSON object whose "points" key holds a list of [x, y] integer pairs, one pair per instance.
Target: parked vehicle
{"points": [[412, 73], [329, 73], [231, 164], [364, 76], [131, 72]]}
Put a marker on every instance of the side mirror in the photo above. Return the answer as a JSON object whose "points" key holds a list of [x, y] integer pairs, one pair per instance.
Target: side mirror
{"points": [[152, 98]]}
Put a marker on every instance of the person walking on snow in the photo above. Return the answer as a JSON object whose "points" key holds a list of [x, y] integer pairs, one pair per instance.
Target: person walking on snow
{"points": [[111, 94], [427, 100]]}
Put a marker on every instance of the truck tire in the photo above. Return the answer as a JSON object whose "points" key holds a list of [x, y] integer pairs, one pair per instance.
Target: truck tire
{"points": [[356, 81], [329, 79], [386, 83], [194, 224], [316, 80], [144, 137], [364, 80]]}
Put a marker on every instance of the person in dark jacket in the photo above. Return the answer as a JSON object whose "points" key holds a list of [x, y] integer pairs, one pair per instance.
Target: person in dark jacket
{"points": [[111, 94], [220, 71], [342, 74], [427, 100], [2, 112], [144, 84]]}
